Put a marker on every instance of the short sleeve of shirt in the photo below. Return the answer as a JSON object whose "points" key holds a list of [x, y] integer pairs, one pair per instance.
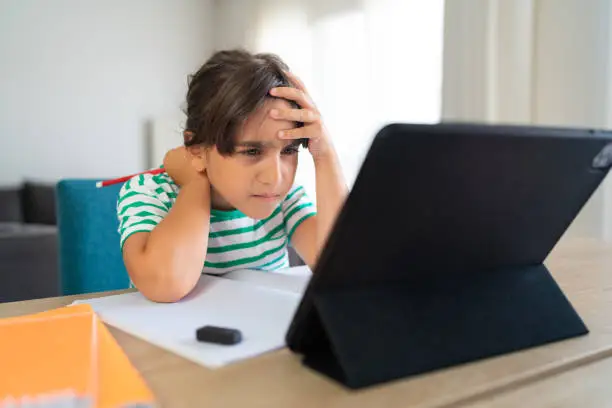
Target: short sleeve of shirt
{"points": [[143, 202], [296, 208]]}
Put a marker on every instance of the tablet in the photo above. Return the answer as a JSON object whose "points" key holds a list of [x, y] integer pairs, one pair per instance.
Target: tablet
{"points": [[442, 216]]}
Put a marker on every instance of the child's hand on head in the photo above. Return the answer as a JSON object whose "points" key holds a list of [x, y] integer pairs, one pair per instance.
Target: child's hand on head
{"points": [[184, 167], [319, 143]]}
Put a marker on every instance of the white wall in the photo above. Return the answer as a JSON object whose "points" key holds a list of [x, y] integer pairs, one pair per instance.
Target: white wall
{"points": [[572, 69], [80, 78], [235, 23], [488, 61]]}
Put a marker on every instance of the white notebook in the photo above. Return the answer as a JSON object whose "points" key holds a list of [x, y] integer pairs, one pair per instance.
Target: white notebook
{"points": [[259, 304]]}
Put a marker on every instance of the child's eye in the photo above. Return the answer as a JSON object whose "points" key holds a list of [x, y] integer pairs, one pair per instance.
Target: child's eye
{"points": [[291, 150], [251, 152]]}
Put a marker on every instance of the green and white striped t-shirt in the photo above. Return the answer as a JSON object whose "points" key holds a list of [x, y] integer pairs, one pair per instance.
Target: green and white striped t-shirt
{"points": [[235, 241]]}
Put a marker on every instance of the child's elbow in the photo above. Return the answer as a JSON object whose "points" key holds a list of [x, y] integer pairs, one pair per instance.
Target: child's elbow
{"points": [[166, 295], [161, 288]]}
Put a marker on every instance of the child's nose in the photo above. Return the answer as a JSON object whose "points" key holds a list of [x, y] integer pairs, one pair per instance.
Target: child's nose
{"points": [[271, 173]]}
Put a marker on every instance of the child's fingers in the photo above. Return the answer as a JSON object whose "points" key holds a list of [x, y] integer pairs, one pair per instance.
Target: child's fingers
{"points": [[292, 94], [305, 132], [295, 115]]}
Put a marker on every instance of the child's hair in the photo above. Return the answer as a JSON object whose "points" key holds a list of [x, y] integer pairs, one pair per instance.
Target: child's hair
{"points": [[225, 91]]}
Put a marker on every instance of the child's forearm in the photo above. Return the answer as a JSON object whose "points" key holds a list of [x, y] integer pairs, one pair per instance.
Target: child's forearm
{"points": [[331, 193], [176, 248]]}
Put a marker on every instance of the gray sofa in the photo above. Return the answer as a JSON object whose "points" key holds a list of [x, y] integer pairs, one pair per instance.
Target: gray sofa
{"points": [[28, 243]]}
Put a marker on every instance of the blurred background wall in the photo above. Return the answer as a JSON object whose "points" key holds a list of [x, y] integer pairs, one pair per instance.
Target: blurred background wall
{"points": [[92, 88]]}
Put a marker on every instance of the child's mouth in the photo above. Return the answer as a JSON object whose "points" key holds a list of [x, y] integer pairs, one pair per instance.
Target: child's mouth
{"points": [[267, 197]]}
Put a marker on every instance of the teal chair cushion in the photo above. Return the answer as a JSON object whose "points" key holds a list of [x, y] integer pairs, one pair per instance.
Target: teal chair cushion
{"points": [[90, 258]]}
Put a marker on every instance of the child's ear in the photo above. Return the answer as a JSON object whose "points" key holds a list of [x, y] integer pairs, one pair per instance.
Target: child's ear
{"points": [[196, 151], [187, 136], [198, 157], [198, 163]]}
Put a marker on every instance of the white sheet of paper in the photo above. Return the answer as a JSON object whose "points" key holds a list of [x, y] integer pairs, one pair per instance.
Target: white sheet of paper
{"points": [[261, 313], [289, 280]]}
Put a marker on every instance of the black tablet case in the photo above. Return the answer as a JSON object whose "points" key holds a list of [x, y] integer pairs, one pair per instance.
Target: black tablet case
{"points": [[437, 256]]}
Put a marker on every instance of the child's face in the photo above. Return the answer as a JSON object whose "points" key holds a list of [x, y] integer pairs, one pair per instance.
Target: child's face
{"points": [[257, 177]]}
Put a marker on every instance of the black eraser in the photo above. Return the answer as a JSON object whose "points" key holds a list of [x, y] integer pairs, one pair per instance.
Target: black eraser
{"points": [[218, 335]]}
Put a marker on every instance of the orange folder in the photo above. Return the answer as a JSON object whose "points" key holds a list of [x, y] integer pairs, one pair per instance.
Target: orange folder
{"points": [[66, 354]]}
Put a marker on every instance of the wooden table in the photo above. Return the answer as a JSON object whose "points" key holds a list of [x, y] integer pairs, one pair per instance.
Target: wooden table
{"points": [[575, 372]]}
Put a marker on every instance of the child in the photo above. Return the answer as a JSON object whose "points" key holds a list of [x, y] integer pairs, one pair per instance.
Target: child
{"points": [[228, 200]]}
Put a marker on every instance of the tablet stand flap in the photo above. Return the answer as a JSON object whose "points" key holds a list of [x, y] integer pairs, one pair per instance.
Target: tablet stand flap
{"points": [[380, 333]]}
